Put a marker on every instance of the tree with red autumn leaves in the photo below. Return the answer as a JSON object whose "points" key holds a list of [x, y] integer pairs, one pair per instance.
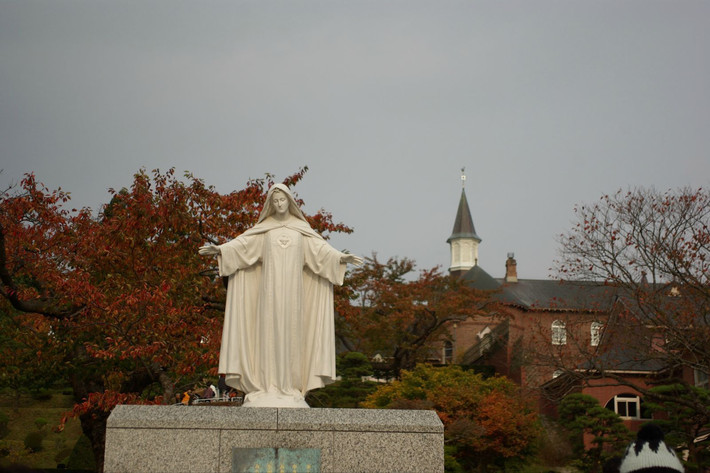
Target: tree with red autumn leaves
{"points": [[381, 309], [122, 305], [651, 250]]}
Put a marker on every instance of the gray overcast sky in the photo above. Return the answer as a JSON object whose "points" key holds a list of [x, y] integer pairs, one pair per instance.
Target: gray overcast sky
{"points": [[546, 103]]}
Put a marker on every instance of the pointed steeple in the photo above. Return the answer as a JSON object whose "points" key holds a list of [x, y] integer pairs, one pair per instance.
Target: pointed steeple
{"points": [[463, 225], [463, 240]]}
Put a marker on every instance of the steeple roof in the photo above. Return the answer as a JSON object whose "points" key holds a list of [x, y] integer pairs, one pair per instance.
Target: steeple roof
{"points": [[463, 225]]}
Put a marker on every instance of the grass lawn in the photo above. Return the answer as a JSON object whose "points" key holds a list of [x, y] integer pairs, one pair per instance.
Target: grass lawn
{"points": [[25, 416]]}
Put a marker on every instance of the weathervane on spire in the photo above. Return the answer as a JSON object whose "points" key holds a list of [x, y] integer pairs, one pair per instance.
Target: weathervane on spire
{"points": [[463, 176]]}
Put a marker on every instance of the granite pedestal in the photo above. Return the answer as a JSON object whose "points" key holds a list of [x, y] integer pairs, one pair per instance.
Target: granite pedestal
{"points": [[184, 439]]}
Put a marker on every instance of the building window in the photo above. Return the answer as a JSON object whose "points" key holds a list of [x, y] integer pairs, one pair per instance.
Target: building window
{"points": [[701, 379], [628, 406], [559, 333], [596, 333]]}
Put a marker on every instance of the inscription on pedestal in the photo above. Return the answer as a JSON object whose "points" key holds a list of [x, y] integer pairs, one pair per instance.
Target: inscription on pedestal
{"points": [[275, 460]]}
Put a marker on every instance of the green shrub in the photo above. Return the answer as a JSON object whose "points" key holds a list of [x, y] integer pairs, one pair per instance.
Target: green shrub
{"points": [[33, 441], [40, 422], [581, 414], [450, 463], [353, 365]]}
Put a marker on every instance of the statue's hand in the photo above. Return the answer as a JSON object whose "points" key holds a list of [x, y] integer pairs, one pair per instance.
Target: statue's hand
{"points": [[209, 250], [352, 259]]}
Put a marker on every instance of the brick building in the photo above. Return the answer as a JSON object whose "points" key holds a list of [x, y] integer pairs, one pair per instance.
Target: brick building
{"points": [[548, 331]]}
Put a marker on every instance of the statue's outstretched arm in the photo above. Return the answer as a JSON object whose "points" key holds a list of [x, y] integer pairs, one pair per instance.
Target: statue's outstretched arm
{"points": [[209, 250], [352, 259]]}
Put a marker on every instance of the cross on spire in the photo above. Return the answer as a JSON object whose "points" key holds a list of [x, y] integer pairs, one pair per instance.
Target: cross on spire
{"points": [[463, 176]]}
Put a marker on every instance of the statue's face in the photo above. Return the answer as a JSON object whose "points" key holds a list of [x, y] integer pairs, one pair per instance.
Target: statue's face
{"points": [[280, 202]]}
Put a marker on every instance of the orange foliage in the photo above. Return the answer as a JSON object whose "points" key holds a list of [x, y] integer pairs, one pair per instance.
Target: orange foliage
{"points": [[486, 417], [123, 290]]}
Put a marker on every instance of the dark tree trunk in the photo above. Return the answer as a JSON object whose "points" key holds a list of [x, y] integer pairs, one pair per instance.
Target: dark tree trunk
{"points": [[93, 425]]}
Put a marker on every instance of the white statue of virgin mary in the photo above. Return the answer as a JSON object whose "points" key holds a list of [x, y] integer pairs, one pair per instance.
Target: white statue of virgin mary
{"points": [[278, 340]]}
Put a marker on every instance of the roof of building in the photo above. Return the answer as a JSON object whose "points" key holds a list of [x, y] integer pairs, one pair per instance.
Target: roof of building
{"points": [[478, 278], [463, 225], [620, 357], [551, 294], [544, 294]]}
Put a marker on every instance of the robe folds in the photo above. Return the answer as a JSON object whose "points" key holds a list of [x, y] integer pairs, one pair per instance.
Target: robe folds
{"points": [[278, 338]]}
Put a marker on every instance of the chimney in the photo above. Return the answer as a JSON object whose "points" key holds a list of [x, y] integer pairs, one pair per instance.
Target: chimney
{"points": [[511, 271]]}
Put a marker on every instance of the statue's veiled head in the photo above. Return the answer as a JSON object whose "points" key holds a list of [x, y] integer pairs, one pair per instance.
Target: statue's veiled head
{"points": [[279, 200]]}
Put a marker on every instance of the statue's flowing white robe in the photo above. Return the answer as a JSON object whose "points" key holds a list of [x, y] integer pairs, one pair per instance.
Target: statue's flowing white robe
{"points": [[278, 340]]}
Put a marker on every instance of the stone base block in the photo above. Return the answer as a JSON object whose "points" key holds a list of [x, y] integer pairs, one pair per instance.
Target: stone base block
{"points": [[185, 439]]}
